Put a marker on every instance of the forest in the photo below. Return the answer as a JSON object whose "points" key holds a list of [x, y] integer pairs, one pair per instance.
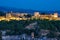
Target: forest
{"points": [[18, 27]]}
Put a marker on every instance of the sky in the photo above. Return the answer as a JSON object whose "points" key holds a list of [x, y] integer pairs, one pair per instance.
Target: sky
{"points": [[44, 5]]}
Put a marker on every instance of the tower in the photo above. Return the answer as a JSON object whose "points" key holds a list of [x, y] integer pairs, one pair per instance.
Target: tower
{"points": [[56, 15], [8, 15], [36, 14]]}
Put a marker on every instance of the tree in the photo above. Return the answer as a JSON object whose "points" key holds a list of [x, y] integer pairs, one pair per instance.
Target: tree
{"points": [[51, 35]]}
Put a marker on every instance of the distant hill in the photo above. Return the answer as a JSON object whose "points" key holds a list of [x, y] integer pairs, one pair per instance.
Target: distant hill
{"points": [[9, 9]]}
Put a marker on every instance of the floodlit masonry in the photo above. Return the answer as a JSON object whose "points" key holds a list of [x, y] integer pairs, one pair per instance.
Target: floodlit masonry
{"points": [[20, 16], [46, 16]]}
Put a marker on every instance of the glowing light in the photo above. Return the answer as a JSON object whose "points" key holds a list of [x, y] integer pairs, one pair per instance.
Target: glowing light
{"points": [[55, 16]]}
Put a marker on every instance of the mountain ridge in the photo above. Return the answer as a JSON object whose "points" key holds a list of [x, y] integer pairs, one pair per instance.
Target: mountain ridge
{"points": [[9, 9]]}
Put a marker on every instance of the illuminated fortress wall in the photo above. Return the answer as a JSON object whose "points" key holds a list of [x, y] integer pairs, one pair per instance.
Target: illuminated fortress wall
{"points": [[37, 15]]}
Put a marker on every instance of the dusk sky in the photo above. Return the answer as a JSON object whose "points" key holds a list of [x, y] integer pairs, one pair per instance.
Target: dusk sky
{"points": [[43, 5]]}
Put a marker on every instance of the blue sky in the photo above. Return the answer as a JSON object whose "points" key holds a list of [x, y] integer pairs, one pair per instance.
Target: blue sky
{"points": [[43, 5]]}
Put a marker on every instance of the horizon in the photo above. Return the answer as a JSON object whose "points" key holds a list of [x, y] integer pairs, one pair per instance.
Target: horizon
{"points": [[9, 9]]}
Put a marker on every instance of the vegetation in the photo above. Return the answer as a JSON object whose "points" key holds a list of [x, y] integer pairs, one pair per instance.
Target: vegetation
{"points": [[18, 27], [2, 13]]}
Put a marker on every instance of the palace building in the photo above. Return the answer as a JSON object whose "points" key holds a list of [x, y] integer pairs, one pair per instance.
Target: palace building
{"points": [[21, 16], [54, 16]]}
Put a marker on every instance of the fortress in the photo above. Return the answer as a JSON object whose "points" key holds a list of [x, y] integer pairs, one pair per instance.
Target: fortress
{"points": [[21, 16], [46, 16]]}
